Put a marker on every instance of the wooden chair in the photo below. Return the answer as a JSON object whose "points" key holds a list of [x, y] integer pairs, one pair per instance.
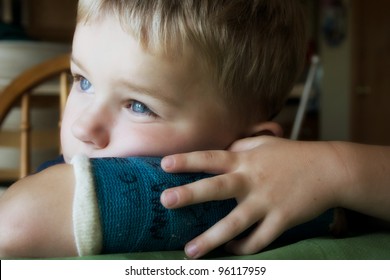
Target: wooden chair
{"points": [[23, 92]]}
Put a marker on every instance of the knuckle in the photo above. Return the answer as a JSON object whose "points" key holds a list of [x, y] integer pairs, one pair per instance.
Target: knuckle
{"points": [[208, 155], [236, 223], [218, 185]]}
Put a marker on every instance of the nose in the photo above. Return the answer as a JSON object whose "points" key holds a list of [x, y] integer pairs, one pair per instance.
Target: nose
{"points": [[93, 128]]}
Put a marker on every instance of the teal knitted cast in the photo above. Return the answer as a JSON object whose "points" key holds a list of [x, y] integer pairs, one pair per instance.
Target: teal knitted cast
{"points": [[133, 219]]}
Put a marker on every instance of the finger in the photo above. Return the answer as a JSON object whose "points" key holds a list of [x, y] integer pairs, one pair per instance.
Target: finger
{"points": [[263, 235], [215, 188], [213, 162], [223, 231]]}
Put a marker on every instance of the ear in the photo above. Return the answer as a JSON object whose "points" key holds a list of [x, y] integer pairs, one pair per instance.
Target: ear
{"points": [[266, 128]]}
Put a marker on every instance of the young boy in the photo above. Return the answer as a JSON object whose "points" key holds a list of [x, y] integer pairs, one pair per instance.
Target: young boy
{"points": [[152, 78]]}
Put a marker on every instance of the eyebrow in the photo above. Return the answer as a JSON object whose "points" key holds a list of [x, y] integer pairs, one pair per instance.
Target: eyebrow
{"points": [[152, 93], [132, 86], [77, 62]]}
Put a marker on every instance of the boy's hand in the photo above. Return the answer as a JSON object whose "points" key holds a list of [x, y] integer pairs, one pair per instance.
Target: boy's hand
{"points": [[275, 182]]}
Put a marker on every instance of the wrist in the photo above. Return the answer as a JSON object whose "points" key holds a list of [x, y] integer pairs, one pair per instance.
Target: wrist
{"points": [[343, 177], [364, 185], [337, 179]]}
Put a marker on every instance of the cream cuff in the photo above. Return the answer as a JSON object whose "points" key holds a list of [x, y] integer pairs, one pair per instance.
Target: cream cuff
{"points": [[86, 219]]}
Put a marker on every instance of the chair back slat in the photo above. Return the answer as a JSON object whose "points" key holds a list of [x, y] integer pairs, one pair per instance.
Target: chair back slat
{"points": [[20, 91]]}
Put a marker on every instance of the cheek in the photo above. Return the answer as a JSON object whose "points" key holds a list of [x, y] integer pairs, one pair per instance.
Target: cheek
{"points": [[154, 139], [68, 143], [71, 109], [159, 140], [66, 123], [142, 140]]}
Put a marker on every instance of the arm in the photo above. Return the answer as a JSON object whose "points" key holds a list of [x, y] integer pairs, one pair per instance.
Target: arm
{"points": [[132, 218], [281, 183], [64, 211], [36, 215], [52, 213]]}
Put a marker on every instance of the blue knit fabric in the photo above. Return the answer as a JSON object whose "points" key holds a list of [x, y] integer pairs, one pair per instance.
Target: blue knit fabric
{"points": [[132, 217]]}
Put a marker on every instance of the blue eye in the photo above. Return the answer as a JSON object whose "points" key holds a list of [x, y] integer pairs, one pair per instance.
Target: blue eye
{"points": [[140, 108], [82, 84], [85, 85]]}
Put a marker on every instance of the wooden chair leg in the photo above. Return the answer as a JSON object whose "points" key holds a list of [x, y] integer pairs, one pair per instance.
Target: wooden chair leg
{"points": [[64, 91], [25, 139]]}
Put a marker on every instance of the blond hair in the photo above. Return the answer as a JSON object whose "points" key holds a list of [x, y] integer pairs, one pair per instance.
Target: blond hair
{"points": [[254, 48]]}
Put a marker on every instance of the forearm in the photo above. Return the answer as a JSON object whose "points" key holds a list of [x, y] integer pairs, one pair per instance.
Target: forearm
{"points": [[364, 174], [36, 215], [132, 218], [99, 206]]}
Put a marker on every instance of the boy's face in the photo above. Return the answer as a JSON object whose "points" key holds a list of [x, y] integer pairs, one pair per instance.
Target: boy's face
{"points": [[128, 102]]}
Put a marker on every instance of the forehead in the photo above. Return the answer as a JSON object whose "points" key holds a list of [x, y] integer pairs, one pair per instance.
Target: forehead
{"points": [[106, 41], [103, 47], [149, 39]]}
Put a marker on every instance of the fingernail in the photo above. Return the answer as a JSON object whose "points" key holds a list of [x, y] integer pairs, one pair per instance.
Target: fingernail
{"points": [[167, 163], [169, 198], [191, 250]]}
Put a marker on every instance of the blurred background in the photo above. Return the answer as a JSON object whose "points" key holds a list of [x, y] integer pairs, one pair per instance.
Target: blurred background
{"points": [[349, 99]]}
